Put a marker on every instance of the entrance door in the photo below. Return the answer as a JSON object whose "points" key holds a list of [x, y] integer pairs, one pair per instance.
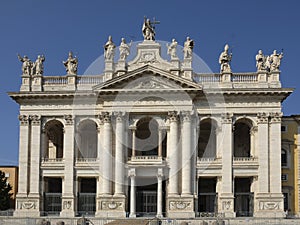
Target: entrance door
{"points": [[146, 203], [243, 201]]}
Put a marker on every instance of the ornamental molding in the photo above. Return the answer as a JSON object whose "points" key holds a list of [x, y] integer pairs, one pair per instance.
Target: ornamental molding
{"points": [[226, 205], [27, 204], [268, 205], [67, 204], [180, 205], [111, 205], [147, 57]]}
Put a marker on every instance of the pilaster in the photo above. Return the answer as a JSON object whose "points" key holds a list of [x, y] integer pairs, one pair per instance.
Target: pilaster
{"points": [[226, 197], [23, 205], [68, 195]]}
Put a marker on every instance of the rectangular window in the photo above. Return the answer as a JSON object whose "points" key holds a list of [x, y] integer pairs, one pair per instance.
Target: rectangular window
{"points": [[284, 177], [7, 175], [284, 128]]}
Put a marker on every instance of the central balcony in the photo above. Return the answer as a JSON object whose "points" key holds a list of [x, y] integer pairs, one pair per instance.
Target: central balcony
{"points": [[146, 159]]}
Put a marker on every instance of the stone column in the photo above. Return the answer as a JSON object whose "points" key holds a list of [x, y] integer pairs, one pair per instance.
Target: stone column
{"points": [[160, 142], [68, 195], [186, 153], [159, 193], [173, 154], [119, 158], [131, 174], [133, 128], [23, 180], [106, 162], [226, 196]]}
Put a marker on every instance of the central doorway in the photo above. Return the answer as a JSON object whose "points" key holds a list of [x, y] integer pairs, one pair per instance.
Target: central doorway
{"points": [[146, 197]]}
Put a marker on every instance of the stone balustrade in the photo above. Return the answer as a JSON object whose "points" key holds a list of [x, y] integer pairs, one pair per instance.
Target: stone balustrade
{"points": [[84, 82]]}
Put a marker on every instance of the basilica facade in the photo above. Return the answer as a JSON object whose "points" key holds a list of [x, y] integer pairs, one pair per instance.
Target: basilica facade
{"points": [[150, 136]]}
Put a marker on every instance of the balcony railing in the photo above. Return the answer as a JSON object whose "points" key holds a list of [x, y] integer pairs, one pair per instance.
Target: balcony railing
{"points": [[85, 160], [52, 160], [244, 159]]}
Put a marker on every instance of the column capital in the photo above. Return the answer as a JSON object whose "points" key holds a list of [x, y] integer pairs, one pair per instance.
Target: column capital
{"points": [[173, 116], [160, 173], [69, 119], [133, 128], [276, 117], [262, 117], [119, 116], [226, 117], [24, 120], [131, 173], [105, 117], [35, 120], [186, 116]]}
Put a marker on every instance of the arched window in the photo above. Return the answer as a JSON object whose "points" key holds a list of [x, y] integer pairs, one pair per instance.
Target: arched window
{"points": [[284, 158], [147, 137], [242, 139], [86, 140], [207, 142], [54, 140]]}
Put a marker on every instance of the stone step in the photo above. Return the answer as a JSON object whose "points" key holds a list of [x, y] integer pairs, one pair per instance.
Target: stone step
{"points": [[128, 222]]}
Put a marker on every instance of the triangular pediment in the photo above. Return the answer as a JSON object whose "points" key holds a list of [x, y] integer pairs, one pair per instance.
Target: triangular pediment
{"points": [[147, 78]]}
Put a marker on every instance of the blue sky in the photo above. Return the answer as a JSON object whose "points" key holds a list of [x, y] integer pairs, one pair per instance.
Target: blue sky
{"points": [[54, 27]]}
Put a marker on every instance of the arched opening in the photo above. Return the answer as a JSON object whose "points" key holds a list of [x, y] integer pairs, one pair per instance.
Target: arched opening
{"points": [[147, 137], [86, 140], [207, 142], [54, 140], [242, 139]]}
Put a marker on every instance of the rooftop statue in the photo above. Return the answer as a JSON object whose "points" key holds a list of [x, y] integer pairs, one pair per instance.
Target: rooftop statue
{"points": [[26, 66], [109, 49], [38, 67], [71, 64], [188, 48], [172, 49], [148, 29], [261, 61], [274, 60], [225, 59], [124, 49]]}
